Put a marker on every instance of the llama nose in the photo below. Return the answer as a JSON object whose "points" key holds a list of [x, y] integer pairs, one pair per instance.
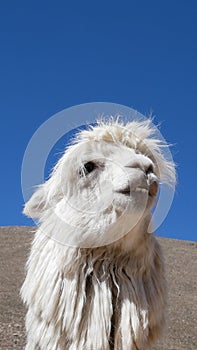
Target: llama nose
{"points": [[153, 182], [147, 167]]}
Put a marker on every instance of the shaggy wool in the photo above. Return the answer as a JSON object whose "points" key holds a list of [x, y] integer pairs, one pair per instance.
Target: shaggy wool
{"points": [[95, 276]]}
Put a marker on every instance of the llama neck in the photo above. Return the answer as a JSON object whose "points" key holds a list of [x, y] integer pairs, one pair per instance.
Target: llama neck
{"points": [[135, 239]]}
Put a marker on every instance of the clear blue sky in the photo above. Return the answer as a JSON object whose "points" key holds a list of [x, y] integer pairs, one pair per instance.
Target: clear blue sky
{"points": [[142, 54]]}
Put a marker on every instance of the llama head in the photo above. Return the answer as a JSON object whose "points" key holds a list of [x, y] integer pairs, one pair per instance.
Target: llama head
{"points": [[104, 185]]}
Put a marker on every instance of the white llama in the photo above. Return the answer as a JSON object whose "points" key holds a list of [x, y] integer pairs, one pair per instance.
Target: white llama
{"points": [[95, 276]]}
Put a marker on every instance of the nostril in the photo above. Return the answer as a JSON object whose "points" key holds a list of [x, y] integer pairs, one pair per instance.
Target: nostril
{"points": [[149, 170]]}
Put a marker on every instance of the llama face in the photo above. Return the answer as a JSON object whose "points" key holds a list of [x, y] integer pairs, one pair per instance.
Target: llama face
{"points": [[103, 186], [105, 176], [104, 191]]}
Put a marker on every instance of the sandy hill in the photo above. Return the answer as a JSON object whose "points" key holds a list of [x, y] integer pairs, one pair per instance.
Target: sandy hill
{"points": [[181, 263]]}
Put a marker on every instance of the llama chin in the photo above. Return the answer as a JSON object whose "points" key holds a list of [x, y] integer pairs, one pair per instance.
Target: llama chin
{"points": [[95, 276]]}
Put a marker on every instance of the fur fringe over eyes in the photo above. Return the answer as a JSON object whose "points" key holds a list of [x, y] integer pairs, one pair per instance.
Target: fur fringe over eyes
{"points": [[111, 297]]}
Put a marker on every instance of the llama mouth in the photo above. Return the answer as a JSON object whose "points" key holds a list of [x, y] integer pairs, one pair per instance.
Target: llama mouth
{"points": [[151, 190], [127, 191]]}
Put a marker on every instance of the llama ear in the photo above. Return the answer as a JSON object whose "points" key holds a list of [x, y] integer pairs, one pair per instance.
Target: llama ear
{"points": [[36, 204]]}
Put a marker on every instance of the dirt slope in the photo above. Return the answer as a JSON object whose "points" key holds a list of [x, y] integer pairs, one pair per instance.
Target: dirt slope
{"points": [[181, 262]]}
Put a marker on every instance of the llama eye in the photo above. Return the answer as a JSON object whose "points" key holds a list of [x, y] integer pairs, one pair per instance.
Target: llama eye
{"points": [[87, 168]]}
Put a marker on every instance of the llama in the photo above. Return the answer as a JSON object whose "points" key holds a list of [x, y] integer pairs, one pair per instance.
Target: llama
{"points": [[95, 275]]}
